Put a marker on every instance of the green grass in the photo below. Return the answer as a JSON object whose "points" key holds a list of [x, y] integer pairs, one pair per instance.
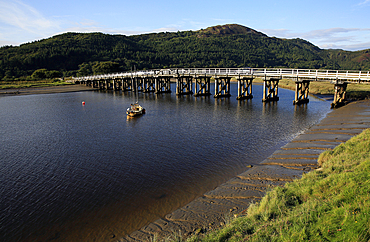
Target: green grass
{"points": [[354, 91], [32, 83], [328, 204]]}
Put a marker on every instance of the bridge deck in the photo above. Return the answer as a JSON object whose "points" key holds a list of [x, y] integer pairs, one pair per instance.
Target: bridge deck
{"points": [[315, 75]]}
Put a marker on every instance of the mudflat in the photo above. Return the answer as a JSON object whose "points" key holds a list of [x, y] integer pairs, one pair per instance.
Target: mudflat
{"points": [[45, 90], [232, 198]]}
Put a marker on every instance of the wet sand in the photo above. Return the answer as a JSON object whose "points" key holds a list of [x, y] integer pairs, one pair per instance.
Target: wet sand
{"points": [[45, 90], [232, 198]]}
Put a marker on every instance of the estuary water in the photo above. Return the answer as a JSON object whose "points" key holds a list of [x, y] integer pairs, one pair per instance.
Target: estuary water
{"points": [[73, 172]]}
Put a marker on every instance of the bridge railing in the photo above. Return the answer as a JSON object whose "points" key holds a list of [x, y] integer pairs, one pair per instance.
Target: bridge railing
{"points": [[318, 74]]}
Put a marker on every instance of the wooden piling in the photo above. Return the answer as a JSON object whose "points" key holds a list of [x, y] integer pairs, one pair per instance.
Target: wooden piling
{"points": [[184, 85], [202, 86], [340, 94], [301, 92], [148, 84], [270, 90], [244, 88], [163, 84], [222, 86]]}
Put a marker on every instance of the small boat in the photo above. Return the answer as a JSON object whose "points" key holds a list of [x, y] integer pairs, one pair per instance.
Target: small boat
{"points": [[135, 110]]}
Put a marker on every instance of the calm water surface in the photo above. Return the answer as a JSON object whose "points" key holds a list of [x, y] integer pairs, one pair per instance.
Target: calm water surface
{"points": [[87, 173]]}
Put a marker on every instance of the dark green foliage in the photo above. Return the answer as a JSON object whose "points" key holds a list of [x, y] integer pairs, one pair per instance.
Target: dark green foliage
{"points": [[105, 67], [45, 74], [219, 46]]}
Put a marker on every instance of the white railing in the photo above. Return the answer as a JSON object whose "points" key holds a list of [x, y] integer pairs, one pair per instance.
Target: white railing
{"points": [[354, 76]]}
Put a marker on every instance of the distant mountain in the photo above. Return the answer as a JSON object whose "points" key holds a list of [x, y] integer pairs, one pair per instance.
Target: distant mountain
{"points": [[228, 29], [229, 45]]}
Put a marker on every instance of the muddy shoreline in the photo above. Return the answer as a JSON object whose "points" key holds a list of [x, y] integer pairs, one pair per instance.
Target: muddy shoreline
{"points": [[232, 198], [45, 90]]}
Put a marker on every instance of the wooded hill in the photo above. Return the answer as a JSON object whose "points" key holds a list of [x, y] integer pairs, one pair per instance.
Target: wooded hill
{"points": [[78, 54]]}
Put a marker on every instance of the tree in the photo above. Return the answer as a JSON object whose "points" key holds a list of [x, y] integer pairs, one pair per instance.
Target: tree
{"points": [[85, 69], [105, 67], [39, 74], [53, 74], [45, 74]]}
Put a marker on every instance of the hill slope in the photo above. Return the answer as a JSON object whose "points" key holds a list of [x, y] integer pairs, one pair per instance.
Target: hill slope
{"points": [[219, 46]]}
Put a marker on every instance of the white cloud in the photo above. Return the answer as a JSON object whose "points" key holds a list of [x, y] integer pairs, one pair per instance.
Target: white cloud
{"points": [[24, 17], [338, 38], [364, 2]]}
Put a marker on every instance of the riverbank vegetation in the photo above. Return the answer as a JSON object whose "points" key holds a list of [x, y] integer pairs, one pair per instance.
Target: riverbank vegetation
{"points": [[227, 46], [33, 83], [331, 203], [355, 91]]}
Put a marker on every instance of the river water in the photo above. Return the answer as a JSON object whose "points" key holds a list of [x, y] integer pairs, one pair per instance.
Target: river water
{"points": [[87, 173]]}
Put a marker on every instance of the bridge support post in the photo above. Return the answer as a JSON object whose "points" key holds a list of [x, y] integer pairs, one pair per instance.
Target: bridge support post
{"points": [[108, 84], [270, 90], [114, 85], [127, 84], [149, 84], [244, 88], [340, 94], [139, 84], [162, 84], [202, 86], [101, 84], [222, 86], [301, 92], [184, 85]]}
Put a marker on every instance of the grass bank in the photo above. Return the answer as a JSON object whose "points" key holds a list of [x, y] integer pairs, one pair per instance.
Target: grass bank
{"points": [[32, 83], [356, 91], [329, 204]]}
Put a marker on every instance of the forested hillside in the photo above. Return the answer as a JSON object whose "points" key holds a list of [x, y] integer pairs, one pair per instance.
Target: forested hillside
{"points": [[76, 54]]}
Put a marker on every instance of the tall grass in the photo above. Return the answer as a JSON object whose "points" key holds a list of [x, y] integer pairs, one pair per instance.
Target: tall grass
{"points": [[32, 83], [328, 204]]}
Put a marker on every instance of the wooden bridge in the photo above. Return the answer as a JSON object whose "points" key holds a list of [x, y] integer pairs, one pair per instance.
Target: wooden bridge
{"points": [[158, 81]]}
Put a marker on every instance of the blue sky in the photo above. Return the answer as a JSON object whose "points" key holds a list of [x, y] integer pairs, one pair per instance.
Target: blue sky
{"points": [[343, 24]]}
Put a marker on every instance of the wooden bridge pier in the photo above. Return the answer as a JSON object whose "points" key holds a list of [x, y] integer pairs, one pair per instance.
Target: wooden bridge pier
{"points": [[270, 89], [139, 84], [244, 88], [222, 86], [101, 85], [184, 85], [107, 84], [202, 86], [94, 84], [127, 84], [163, 84], [88, 83], [116, 85], [301, 92], [148, 84], [339, 94]]}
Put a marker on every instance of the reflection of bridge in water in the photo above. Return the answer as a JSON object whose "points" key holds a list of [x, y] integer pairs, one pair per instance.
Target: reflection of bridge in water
{"points": [[158, 81]]}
